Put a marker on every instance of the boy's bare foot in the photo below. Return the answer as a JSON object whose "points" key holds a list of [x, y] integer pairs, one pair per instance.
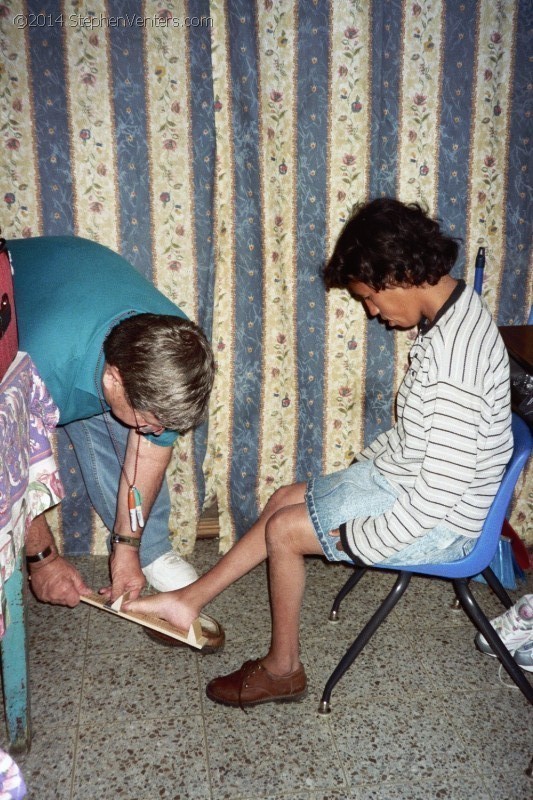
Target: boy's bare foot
{"points": [[165, 605]]}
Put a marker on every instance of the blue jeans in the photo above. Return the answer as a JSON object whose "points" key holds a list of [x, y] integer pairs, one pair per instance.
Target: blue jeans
{"points": [[100, 469]]}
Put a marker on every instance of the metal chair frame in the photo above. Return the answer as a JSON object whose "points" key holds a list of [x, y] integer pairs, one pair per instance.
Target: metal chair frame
{"points": [[459, 572]]}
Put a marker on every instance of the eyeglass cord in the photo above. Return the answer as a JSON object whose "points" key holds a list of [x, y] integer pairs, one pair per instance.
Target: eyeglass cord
{"points": [[134, 495]]}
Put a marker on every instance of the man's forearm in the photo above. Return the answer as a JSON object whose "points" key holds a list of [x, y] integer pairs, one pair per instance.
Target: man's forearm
{"points": [[39, 536], [147, 472]]}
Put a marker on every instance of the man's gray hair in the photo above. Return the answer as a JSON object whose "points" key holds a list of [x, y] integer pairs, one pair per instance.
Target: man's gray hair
{"points": [[167, 367]]}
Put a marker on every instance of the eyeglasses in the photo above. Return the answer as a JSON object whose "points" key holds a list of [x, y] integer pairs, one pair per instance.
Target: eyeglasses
{"points": [[147, 427], [154, 430]]}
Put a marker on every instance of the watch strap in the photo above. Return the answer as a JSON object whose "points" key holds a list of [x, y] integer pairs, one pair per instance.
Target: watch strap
{"points": [[133, 541], [40, 556]]}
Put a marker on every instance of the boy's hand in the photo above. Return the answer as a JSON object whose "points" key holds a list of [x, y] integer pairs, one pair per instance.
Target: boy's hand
{"points": [[338, 545]]}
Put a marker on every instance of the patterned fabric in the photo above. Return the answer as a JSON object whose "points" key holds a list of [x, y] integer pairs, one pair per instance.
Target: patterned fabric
{"points": [[221, 154], [12, 786], [29, 479]]}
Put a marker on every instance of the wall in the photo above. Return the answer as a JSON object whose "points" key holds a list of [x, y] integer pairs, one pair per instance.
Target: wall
{"points": [[220, 146]]}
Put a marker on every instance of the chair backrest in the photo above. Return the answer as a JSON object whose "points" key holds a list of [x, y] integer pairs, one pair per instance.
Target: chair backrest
{"points": [[523, 442], [483, 552]]}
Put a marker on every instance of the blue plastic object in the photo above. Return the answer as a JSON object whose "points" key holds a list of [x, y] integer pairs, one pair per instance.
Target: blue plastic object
{"points": [[458, 572], [485, 548], [505, 566], [480, 266]]}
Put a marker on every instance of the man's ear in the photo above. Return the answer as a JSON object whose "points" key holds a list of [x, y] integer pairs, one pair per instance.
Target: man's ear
{"points": [[111, 377]]}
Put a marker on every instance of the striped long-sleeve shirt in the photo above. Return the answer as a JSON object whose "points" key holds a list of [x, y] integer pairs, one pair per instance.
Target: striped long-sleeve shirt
{"points": [[446, 455]]}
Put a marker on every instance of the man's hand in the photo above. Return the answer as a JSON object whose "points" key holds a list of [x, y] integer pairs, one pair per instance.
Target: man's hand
{"points": [[58, 582], [126, 573]]}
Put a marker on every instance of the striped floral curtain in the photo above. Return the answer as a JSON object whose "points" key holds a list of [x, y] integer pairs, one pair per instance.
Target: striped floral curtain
{"points": [[219, 145]]}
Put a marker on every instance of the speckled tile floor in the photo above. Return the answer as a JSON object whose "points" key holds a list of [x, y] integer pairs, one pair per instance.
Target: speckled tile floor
{"points": [[420, 715]]}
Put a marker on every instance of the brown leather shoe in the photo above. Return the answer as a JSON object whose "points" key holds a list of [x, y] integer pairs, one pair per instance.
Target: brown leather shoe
{"points": [[253, 684]]}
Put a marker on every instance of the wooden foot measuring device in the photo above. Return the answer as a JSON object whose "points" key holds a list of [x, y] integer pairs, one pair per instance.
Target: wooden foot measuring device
{"points": [[194, 637]]}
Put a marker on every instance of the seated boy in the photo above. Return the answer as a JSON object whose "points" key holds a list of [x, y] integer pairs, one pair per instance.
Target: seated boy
{"points": [[418, 493]]}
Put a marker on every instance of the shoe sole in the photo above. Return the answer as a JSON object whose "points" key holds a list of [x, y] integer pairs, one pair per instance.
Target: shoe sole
{"points": [[170, 641], [292, 698]]}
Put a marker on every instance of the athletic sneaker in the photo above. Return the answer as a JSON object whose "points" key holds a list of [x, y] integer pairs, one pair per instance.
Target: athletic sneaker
{"points": [[168, 572], [524, 656], [514, 627]]}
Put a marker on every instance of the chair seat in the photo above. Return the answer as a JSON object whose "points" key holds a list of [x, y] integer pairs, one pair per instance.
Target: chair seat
{"points": [[458, 572], [483, 552]]}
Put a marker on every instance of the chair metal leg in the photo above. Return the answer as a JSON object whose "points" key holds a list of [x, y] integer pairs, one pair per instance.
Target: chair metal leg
{"points": [[363, 638], [497, 587], [352, 581], [529, 769], [482, 624]]}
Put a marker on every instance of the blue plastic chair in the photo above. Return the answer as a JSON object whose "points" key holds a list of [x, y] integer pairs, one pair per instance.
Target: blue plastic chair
{"points": [[458, 572]]}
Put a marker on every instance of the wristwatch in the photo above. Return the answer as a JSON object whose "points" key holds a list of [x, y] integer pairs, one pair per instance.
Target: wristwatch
{"points": [[133, 541], [40, 556]]}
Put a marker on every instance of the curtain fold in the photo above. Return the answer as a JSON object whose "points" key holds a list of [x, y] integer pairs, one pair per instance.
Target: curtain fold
{"points": [[220, 146]]}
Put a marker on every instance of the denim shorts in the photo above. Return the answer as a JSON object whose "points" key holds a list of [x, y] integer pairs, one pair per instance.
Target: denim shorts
{"points": [[361, 491]]}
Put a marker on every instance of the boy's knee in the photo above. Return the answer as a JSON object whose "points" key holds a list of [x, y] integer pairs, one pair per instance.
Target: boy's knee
{"points": [[289, 530], [276, 530], [279, 499]]}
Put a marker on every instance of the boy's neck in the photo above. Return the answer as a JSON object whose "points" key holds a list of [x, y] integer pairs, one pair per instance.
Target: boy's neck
{"points": [[432, 298]]}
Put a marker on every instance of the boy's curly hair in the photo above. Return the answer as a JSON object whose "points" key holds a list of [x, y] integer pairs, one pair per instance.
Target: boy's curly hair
{"points": [[389, 243]]}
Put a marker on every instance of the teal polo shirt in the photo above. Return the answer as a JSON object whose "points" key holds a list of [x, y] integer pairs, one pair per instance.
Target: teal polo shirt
{"points": [[69, 293]]}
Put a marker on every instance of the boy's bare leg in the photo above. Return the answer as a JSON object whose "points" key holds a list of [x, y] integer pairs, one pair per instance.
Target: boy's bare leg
{"points": [[290, 536], [181, 607], [279, 675]]}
